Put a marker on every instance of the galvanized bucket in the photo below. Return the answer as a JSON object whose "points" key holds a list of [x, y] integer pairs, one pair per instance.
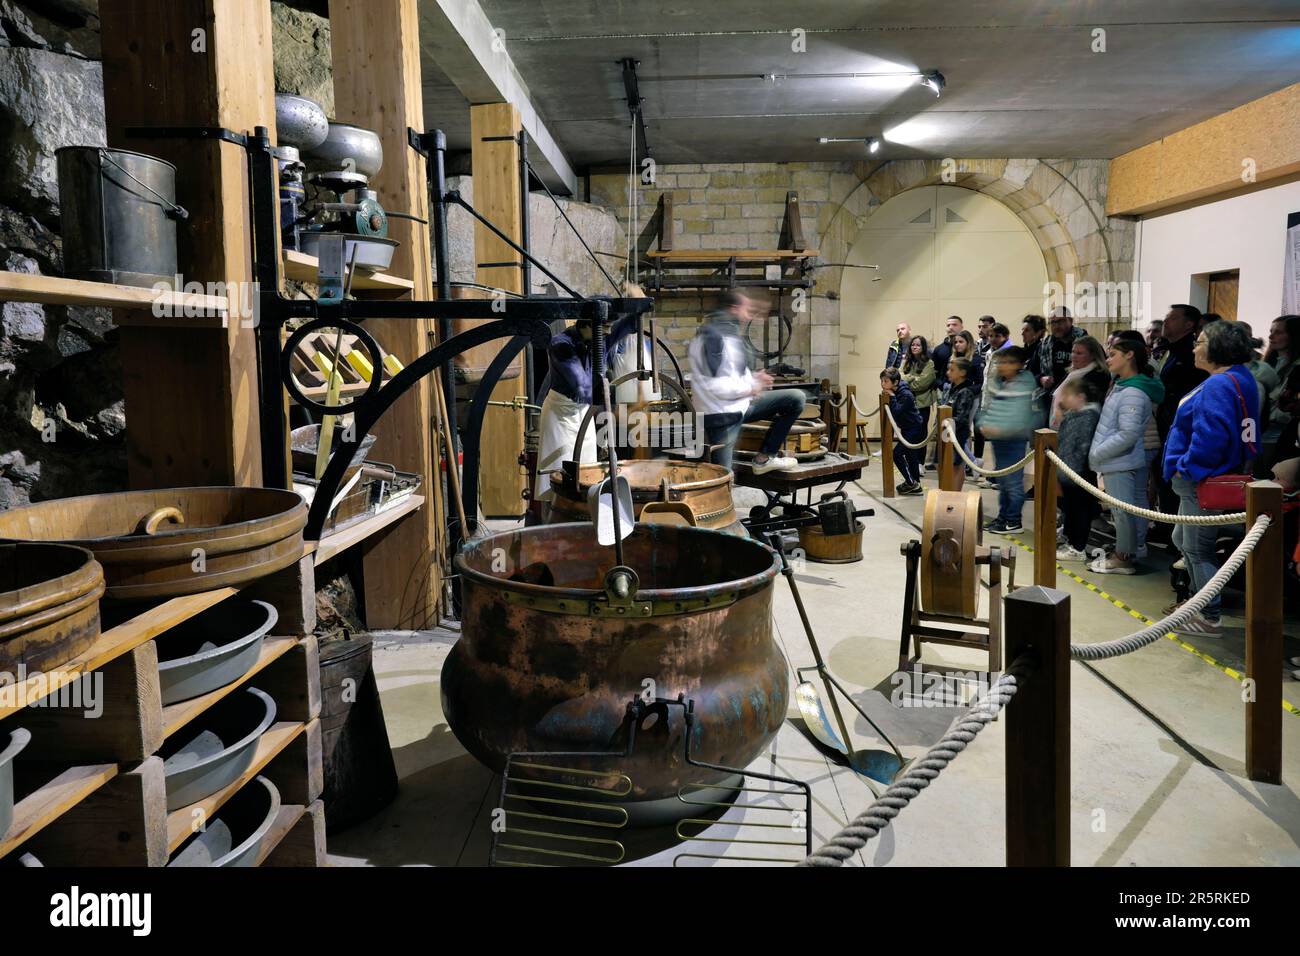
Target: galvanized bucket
{"points": [[119, 216]]}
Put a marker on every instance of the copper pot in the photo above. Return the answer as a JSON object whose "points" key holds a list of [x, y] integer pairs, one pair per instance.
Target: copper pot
{"points": [[704, 486], [553, 667]]}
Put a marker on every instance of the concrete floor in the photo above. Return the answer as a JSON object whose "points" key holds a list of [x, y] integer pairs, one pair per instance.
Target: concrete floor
{"points": [[1157, 746]]}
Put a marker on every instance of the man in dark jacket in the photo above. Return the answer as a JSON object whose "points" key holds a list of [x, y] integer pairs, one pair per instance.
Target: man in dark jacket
{"points": [[1179, 375], [1054, 350], [943, 351]]}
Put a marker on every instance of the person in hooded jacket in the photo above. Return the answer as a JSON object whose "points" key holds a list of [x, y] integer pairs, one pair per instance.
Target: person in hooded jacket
{"points": [[1118, 451], [902, 405]]}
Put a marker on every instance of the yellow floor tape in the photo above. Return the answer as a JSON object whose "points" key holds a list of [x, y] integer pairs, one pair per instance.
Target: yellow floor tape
{"points": [[1235, 674]]}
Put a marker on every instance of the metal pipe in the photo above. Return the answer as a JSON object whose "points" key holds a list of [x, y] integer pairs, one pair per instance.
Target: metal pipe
{"points": [[442, 261], [273, 427], [526, 267]]}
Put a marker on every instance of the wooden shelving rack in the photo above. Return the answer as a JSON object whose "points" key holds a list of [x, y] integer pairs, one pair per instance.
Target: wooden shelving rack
{"points": [[91, 792]]}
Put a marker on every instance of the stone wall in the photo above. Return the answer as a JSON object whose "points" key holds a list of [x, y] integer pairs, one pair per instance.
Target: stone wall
{"points": [[741, 206]]}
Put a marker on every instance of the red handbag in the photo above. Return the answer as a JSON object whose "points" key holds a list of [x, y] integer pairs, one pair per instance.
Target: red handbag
{"points": [[1227, 492]]}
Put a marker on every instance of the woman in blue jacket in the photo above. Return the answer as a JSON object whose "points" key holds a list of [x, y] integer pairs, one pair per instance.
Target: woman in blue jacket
{"points": [[1118, 451], [1213, 433], [902, 405]]}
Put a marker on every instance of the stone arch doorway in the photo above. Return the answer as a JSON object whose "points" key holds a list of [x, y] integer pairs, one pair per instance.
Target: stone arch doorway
{"points": [[942, 250]]}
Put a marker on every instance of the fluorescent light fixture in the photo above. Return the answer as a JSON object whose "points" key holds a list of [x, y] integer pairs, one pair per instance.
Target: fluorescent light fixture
{"points": [[883, 80], [871, 142]]}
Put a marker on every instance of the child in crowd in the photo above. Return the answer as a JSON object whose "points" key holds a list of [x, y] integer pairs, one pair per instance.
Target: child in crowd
{"points": [[1007, 423], [962, 395], [902, 405], [1080, 401]]}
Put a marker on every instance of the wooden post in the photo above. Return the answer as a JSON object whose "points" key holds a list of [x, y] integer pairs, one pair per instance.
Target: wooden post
{"points": [[851, 417], [946, 482], [192, 394], [1046, 489], [1038, 729], [495, 167], [1264, 637], [375, 49], [886, 448]]}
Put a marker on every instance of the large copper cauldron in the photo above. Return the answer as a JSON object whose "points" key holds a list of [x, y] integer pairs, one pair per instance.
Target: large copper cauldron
{"points": [[704, 486], [553, 667]]}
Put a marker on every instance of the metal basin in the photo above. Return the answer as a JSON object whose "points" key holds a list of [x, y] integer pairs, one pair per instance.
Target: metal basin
{"points": [[242, 533], [702, 485], [234, 836], [18, 739], [536, 670], [299, 122], [372, 253], [346, 148], [218, 747], [212, 649]]}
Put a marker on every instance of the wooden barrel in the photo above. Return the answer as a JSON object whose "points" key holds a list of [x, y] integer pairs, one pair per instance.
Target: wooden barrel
{"points": [[49, 605], [950, 535], [704, 486], [360, 777], [172, 541]]}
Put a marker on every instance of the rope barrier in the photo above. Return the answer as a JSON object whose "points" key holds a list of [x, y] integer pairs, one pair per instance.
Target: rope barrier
{"points": [[858, 408], [1235, 517], [898, 433], [1194, 605], [921, 773], [988, 472]]}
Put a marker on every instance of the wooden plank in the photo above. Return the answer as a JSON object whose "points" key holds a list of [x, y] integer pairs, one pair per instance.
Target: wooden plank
{"points": [[1046, 491], [122, 823], [111, 645], [292, 592], [375, 49], [56, 290], [666, 222], [495, 167], [182, 821], [42, 807], [792, 223], [294, 681], [298, 772], [285, 820], [126, 725], [302, 268], [1264, 637], [367, 528], [154, 76], [304, 843], [177, 715]]}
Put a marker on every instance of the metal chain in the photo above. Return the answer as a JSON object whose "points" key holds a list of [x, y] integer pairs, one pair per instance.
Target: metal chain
{"points": [[1194, 605], [990, 472], [1234, 517], [921, 773]]}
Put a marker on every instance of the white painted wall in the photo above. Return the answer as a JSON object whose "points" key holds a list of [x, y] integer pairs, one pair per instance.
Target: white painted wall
{"points": [[1245, 232]]}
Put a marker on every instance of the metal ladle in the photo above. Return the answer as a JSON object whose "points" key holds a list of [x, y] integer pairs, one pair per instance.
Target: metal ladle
{"points": [[878, 765]]}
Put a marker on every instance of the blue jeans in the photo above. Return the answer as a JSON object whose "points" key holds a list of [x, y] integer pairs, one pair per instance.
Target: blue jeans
{"points": [[1198, 543], [780, 406], [1011, 488], [1131, 488]]}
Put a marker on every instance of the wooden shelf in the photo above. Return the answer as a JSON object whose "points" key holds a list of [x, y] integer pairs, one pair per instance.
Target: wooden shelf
{"points": [[302, 268], [285, 821], [56, 290], [358, 531], [177, 715], [43, 806], [112, 644], [180, 822]]}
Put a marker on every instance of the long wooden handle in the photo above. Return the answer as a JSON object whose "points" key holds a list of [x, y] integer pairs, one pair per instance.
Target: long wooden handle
{"points": [[453, 470]]}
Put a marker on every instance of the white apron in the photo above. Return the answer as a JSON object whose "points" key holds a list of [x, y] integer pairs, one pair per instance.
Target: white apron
{"points": [[560, 421], [622, 363]]}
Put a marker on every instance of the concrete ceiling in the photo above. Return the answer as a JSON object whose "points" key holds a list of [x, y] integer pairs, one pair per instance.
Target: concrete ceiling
{"points": [[1022, 78]]}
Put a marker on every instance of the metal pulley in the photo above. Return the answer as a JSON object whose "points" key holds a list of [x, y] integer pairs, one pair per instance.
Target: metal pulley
{"points": [[369, 218]]}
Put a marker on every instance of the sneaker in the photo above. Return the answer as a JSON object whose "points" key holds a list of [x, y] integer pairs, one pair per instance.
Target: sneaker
{"points": [[1068, 553], [1172, 608], [1109, 564], [1201, 626], [775, 463], [994, 525], [1179, 565], [999, 526], [913, 489]]}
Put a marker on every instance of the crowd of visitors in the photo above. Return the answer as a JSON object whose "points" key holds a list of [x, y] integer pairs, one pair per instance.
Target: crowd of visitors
{"points": [[1150, 417]]}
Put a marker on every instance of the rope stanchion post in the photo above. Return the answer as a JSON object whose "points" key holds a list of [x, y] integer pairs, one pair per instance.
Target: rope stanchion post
{"points": [[852, 418], [1264, 569], [947, 477], [886, 447], [1046, 489], [1038, 729]]}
